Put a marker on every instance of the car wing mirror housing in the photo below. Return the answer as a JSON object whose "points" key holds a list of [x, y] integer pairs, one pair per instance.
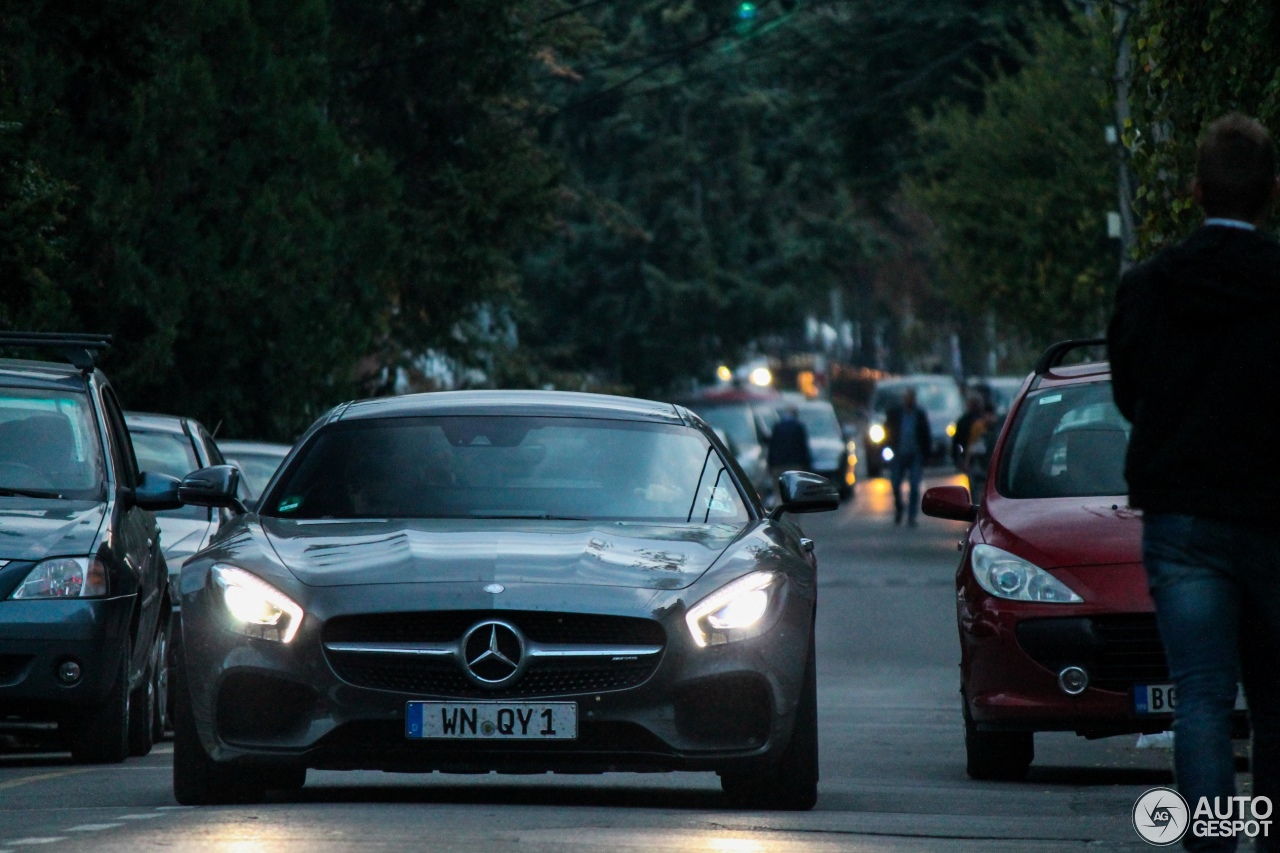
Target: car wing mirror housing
{"points": [[950, 502], [801, 491], [156, 492], [216, 486]]}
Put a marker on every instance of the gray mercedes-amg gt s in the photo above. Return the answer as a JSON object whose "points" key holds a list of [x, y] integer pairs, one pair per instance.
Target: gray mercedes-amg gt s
{"points": [[501, 581]]}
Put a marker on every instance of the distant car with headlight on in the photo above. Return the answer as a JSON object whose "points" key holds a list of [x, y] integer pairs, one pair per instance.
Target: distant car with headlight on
{"points": [[1057, 630], [502, 581], [939, 396]]}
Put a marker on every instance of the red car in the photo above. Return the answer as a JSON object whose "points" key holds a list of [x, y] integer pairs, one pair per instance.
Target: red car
{"points": [[1057, 630]]}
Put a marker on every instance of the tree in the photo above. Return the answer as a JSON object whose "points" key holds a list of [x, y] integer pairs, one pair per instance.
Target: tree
{"points": [[1018, 192], [1196, 61]]}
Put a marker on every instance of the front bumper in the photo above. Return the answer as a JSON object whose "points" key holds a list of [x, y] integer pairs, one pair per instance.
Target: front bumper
{"points": [[37, 637], [712, 708]]}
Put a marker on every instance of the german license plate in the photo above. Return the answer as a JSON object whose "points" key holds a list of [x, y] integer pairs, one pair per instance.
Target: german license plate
{"points": [[1163, 699], [491, 720]]}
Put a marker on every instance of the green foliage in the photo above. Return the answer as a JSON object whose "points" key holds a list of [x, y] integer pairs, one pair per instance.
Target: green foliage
{"points": [[1018, 192], [1195, 61]]}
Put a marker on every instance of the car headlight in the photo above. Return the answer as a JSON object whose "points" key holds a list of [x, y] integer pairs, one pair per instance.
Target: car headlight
{"points": [[1006, 576], [736, 611], [257, 609], [951, 430], [887, 454], [876, 434], [64, 577]]}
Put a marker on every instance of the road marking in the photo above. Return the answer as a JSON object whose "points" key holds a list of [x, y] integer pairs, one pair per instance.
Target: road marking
{"points": [[14, 783], [93, 827], [139, 816]]}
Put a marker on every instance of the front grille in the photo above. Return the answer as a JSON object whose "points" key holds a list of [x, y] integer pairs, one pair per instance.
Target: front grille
{"points": [[443, 676], [1117, 651]]}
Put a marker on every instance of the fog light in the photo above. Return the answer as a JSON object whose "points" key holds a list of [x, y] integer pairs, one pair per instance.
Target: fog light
{"points": [[1073, 680], [69, 672]]}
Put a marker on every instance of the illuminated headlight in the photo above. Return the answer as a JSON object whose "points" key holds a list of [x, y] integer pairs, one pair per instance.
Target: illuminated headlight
{"points": [[257, 609], [735, 611], [1006, 576], [64, 577], [887, 454], [876, 434], [951, 430]]}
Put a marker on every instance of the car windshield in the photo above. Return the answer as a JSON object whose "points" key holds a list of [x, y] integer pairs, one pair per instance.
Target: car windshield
{"points": [[1067, 442], [738, 421], [508, 467], [934, 396], [49, 445], [168, 453], [256, 470]]}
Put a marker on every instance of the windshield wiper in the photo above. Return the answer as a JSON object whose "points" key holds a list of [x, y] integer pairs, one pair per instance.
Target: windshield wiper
{"points": [[6, 492]]}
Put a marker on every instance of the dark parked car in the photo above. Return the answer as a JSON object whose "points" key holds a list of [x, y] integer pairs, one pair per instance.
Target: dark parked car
{"points": [[833, 457], [502, 581], [741, 415], [176, 446], [84, 593], [257, 461], [1057, 630]]}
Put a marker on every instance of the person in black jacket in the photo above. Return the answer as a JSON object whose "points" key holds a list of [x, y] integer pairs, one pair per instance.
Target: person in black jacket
{"points": [[907, 434], [789, 445], [1195, 359]]}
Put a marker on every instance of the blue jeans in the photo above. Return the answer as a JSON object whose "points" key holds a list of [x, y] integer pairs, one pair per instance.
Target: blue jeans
{"points": [[900, 468], [1216, 586]]}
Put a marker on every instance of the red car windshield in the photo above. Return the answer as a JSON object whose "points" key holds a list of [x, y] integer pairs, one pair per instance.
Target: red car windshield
{"points": [[1068, 441]]}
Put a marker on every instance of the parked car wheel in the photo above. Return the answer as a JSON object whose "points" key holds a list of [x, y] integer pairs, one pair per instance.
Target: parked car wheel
{"points": [[197, 779], [160, 719], [792, 783], [997, 756], [99, 734], [142, 711]]}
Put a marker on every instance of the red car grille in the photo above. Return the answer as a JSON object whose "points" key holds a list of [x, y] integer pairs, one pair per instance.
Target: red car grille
{"points": [[1117, 651]]}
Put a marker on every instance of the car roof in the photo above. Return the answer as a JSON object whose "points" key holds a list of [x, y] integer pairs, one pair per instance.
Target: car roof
{"points": [[728, 396], [232, 447], [41, 374], [150, 422], [1074, 374], [529, 403]]}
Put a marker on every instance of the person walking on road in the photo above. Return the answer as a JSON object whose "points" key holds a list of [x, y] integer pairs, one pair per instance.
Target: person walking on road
{"points": [[980, 442], [907, 434], [788, 445], [1194, 335], [973, 406]]}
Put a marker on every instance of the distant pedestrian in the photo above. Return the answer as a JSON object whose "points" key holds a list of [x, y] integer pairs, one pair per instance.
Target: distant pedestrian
{"points": [[1196, 332], [979, 443], [907, 434], [789, 445], [973, 406]]}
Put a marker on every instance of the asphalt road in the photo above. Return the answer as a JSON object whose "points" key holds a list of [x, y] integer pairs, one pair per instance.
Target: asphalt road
{"points": [[892, 760]]}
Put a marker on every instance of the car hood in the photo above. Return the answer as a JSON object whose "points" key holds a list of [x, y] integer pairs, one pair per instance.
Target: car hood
{"points": [[180, 537], [36, 528], [623, 554], [1058, 532]]}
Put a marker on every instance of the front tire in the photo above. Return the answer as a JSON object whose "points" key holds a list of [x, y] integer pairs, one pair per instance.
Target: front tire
{"points": [[198, 780], [160, 719], [100, 733], [997, 756], [792, 783]]}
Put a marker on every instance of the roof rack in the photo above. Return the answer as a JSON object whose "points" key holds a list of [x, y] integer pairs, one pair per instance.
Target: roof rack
{"points": [[1057, 353], [79, 348]]}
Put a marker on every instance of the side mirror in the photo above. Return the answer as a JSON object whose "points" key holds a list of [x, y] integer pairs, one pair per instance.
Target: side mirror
{"points": [[156, 492], [950, 502], [804, 492], [216, 486]]}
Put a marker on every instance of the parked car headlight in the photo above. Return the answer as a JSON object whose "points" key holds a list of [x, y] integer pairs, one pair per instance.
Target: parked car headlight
{"points": [[257, 609], [64, 577], [1007, 576], [876, 434], [736, 611]]}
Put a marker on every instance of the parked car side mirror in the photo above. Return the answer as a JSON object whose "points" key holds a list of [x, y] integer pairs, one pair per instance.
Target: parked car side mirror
{"points": [[156, 492], [216, 486], [801, 491], [950, 502]]}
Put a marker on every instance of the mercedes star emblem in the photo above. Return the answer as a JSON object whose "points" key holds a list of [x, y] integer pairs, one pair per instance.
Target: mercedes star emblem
{"points": [[492, 653]]}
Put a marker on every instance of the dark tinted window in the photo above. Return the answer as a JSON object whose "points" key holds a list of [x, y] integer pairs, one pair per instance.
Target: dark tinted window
{"points": [[1067, 442], [49, 445], [507, 467], [256, 470]]}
